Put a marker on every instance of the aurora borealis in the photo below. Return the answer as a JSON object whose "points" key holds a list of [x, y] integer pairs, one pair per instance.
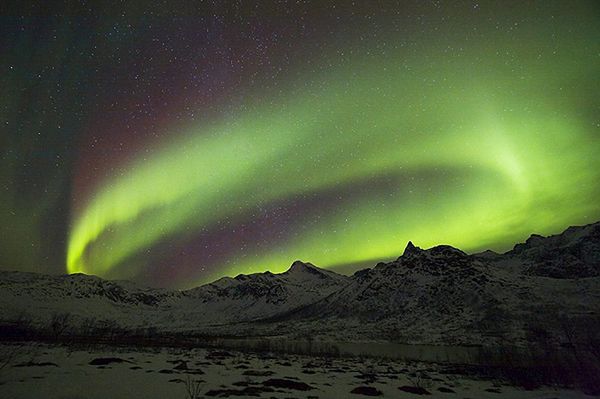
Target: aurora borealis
{"points": [[334, 137]]}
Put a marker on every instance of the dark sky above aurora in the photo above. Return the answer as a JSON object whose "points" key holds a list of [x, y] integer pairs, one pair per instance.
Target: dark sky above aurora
{"points": [[173, 150]]}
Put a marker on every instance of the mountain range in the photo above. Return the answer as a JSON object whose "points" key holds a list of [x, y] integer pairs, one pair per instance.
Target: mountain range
{"points": [[439, 295]]}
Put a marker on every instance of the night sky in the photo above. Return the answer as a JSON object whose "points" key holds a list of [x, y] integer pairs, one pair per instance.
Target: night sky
{"points": [[229, 138]]}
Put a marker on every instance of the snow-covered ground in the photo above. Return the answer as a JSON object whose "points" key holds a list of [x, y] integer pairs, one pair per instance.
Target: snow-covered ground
{"points": [[43, 371]]}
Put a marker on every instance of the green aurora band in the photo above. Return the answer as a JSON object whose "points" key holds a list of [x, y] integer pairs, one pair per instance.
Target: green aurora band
{"points": [[477, 149]]}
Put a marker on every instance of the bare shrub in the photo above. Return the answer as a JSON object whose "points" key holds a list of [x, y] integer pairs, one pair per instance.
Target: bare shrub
{"points": [[192, 388], [88, 327], [419, 380], [59, 323]]}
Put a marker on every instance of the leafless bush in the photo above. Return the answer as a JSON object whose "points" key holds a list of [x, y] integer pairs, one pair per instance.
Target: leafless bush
{"points": [[88, 326], [109, 329], [59, 323], [419, 380], [192, 388]]}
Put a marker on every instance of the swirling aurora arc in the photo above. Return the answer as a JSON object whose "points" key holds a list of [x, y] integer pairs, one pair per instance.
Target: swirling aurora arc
{"points": [[343, 167]]}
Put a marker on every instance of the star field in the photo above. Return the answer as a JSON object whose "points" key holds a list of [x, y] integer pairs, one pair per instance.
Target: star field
{"points": [[237, 139]]}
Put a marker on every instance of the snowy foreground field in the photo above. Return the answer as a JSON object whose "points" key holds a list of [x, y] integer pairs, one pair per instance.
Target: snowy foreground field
{"points": [[44, 371]]}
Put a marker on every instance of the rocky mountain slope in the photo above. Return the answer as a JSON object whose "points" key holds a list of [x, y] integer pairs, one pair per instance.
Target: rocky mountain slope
{"points": [[575, 253], [442, 295], [438, 295], [261, 295]]}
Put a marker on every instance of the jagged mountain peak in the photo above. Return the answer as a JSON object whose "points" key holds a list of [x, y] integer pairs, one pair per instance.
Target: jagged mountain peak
{"points": [[259, 295], [299, 266], [440, 251], [297, 269], [308, 269], [411, 248]]}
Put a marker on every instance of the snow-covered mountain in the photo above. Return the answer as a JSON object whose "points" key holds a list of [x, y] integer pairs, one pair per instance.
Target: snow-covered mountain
{"points": [[38, 297], [437, 295], [572, 254], [443, 295], [228, 300], [261, 295], [440, 284]]}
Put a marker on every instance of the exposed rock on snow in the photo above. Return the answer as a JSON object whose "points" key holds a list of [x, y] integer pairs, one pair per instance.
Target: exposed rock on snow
{"points": [[574, 253]]}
